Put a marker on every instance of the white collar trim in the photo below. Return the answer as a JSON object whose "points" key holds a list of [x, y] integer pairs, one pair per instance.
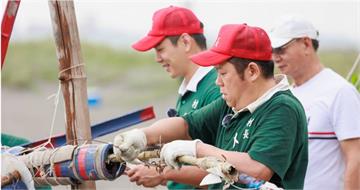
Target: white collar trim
{"points": [[282, 84], [199, 74]]}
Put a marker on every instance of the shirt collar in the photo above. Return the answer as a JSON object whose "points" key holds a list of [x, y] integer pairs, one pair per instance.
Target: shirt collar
{"points": [[282, 84], [199, 74]]}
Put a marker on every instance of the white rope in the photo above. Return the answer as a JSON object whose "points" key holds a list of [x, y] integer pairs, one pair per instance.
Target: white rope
{"points": [[56, 103], [72, 67], [56, 97], [357, 61], [73, 76]]}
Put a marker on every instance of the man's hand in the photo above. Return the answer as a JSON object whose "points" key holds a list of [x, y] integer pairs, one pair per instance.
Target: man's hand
{"points": [[128, 145], [171, 151], [146, 176]]}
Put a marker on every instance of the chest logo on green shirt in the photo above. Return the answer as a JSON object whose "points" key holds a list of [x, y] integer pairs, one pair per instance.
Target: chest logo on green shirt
{"points": [[235, 140], [249, 123], [246, 132], [195, 104]]}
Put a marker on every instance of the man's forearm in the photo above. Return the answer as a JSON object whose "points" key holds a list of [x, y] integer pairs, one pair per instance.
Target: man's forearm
{"points": [[350, 149], [166, 130], [191, 175], [352, 177], [241, 161]]}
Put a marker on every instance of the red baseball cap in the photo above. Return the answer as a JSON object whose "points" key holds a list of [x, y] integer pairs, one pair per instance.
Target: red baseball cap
{"points": [[170, 21], [236, 40]]}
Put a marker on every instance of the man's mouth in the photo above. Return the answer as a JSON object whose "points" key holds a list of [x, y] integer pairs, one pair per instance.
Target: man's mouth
{"points": [[166, 67], [281, 67]]}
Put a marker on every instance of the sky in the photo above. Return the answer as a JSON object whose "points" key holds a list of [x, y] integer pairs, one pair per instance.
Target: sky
{"points": [[121, 22]]}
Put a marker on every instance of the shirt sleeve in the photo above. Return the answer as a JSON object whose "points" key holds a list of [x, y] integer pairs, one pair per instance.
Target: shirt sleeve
{"points": [[345, 113], [203, 123], [282, 131]]}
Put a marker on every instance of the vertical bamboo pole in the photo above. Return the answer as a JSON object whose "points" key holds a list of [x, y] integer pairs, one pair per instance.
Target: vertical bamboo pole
{"points": [[72, 75]]}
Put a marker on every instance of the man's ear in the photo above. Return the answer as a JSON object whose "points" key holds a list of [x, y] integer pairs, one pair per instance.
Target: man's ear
{"points": [[253, 71], [185, 40], [308, 46]]}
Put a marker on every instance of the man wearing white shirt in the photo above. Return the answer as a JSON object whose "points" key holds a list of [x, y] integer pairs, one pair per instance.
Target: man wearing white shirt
{"points": [[332, 106]]}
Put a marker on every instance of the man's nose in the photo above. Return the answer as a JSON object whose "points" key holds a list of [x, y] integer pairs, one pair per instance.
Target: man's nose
{"points": [[218, 81], [158, 58]]}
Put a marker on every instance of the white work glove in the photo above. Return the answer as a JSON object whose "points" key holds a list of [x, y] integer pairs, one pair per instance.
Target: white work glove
{"points": [[171, 151], [128, 145], [11, 163]]}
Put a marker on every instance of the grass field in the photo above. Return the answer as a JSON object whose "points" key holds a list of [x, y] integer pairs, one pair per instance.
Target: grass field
{"points": [[37, 61], [28, 63]]}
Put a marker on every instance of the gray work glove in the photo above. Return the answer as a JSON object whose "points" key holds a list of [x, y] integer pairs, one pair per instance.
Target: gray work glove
{"points": [[128, 145], [171, 151]]}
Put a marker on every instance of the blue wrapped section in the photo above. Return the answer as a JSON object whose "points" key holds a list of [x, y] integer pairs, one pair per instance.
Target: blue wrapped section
{"points": [[250, 182], [69, 165], [63, 169], [17, 185], [89, 162]]}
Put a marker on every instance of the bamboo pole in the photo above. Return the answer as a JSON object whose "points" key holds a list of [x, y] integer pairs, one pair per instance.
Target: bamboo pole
{"points": [[72, 75]]}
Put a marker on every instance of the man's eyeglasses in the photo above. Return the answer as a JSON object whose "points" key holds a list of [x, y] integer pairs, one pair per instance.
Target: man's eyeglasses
{"points": [[226, 120], [172, 113], [281, 50]]}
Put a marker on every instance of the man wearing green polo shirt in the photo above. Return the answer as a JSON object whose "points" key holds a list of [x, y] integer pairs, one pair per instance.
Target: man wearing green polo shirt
{"points": [[258, 125], [177, 34]]}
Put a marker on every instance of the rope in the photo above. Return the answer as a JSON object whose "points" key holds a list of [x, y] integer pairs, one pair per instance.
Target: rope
{"points": [[71, 76], [72, 67], [357, 61], [56, 103]]}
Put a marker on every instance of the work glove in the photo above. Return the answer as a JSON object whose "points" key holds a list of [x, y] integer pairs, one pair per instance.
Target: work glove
{"points": [[128, 145], [171, 151], [11, 163]]}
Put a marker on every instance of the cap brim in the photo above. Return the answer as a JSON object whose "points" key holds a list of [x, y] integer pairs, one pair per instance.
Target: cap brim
{"points": [[278, 42], [147, 43], [209, 58]]}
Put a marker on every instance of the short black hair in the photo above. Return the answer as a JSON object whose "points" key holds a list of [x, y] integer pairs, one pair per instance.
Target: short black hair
{"points": [[266, 67], [315, 44], [199, 39]]}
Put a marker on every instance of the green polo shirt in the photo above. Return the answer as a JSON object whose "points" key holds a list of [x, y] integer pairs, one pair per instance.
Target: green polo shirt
{"points": [[274, 134], [206, 92]]}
